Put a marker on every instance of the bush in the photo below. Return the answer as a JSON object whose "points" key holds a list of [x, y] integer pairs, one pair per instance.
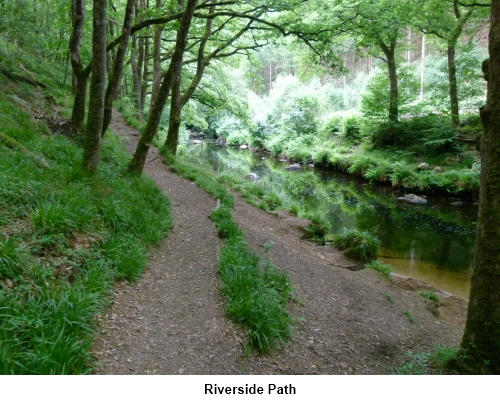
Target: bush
{"points": [[428, 135], [351, 128], [359, 245]]}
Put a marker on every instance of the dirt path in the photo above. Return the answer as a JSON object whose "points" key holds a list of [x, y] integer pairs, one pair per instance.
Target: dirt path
{"points": [[172, 322]]}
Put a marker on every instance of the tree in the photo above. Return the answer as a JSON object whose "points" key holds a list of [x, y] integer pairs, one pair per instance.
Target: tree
{"points": [[375, 26], [92, 140], [80, 75], [224, 45], [172, 75], [116, 74], [446, 21], [481, 339]]}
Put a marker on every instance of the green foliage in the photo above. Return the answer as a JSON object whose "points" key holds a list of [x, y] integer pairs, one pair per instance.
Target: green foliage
{"points": [[11, 258], [471, 85], [359, 245], [70, 237], [375, 103], [427, 135], [420, 363], [430, 295], [410, 316], [381, 267], [417, 364]]}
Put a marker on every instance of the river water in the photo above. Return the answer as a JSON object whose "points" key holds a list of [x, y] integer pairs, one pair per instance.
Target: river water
{"points": [[433, 243]]}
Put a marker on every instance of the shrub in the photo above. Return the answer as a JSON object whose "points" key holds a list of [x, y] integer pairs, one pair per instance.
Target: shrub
{"points": [[351, 128], [429, 134], [360, 245]]}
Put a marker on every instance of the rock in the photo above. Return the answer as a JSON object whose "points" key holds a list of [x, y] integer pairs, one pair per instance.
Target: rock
{"points": [[293, 168], [243, 146], [424, 166], [252, 177], [438, 169], [220, 141], [457, 203], [413, 199], [9, 283], [283, 160], [196, 142]]}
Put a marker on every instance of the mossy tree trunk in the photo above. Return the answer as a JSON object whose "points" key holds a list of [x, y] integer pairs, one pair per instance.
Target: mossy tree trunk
{"points": [[452, 78], [390, 54], [116, 75], [175, 117], [174, 71], [80, 79], [481, 339], [178, 102], [156, 58], [93, 130]]}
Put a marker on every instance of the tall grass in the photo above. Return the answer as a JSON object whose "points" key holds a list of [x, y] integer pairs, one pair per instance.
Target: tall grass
{"points": [[65, 238]]}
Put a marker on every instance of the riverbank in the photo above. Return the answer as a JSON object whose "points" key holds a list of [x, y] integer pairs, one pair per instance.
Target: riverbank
{"points": [[347, 322]]}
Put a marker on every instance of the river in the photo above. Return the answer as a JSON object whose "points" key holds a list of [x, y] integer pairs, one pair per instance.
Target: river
{"points": [[433, 242]]}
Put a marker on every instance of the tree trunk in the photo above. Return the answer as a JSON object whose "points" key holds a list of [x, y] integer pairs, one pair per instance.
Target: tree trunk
{"points": [[179, 102], [156, 58], [174, 69], [390, 54], [452, 77], [481, 339], [136, 75], [96, 96], [145, 74], [79, 79], [116, 75], [175, 117]]}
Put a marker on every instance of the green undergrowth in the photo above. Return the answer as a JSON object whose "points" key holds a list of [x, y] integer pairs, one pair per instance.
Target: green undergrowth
{"points": [[65, 238], [381, 267], [435, 362], [359, 245], [257, 292], [390, 152]]}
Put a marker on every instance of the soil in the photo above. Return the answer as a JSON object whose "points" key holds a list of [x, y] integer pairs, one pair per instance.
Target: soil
{"points": [[346, 322]]}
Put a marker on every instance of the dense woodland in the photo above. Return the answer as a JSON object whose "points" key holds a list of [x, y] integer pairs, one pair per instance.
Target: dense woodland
{"points": [[374, 88]]}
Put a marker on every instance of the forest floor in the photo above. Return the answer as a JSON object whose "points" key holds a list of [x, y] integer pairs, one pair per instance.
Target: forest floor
{"points": [[346, 322]]}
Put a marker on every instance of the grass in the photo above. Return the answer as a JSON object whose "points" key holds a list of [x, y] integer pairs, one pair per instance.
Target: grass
{"points": [[257, 292], [358, 245], [66, 238], [430, 295], [434, 362], [410, 316], [381, 267]]}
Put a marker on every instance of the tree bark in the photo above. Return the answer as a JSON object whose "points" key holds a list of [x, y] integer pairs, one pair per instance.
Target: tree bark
{"points": [[97, 84], [390, 54], [452, 69], [452, 78], [174, 69], [80, 79], [178, 102], [175, 117], [156, 59], [144, 88], [136, 75], [481, 339], [116, 75]]}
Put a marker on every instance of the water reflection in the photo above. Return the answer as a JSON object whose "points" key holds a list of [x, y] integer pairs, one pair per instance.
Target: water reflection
{"points": [[433, 243]]}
